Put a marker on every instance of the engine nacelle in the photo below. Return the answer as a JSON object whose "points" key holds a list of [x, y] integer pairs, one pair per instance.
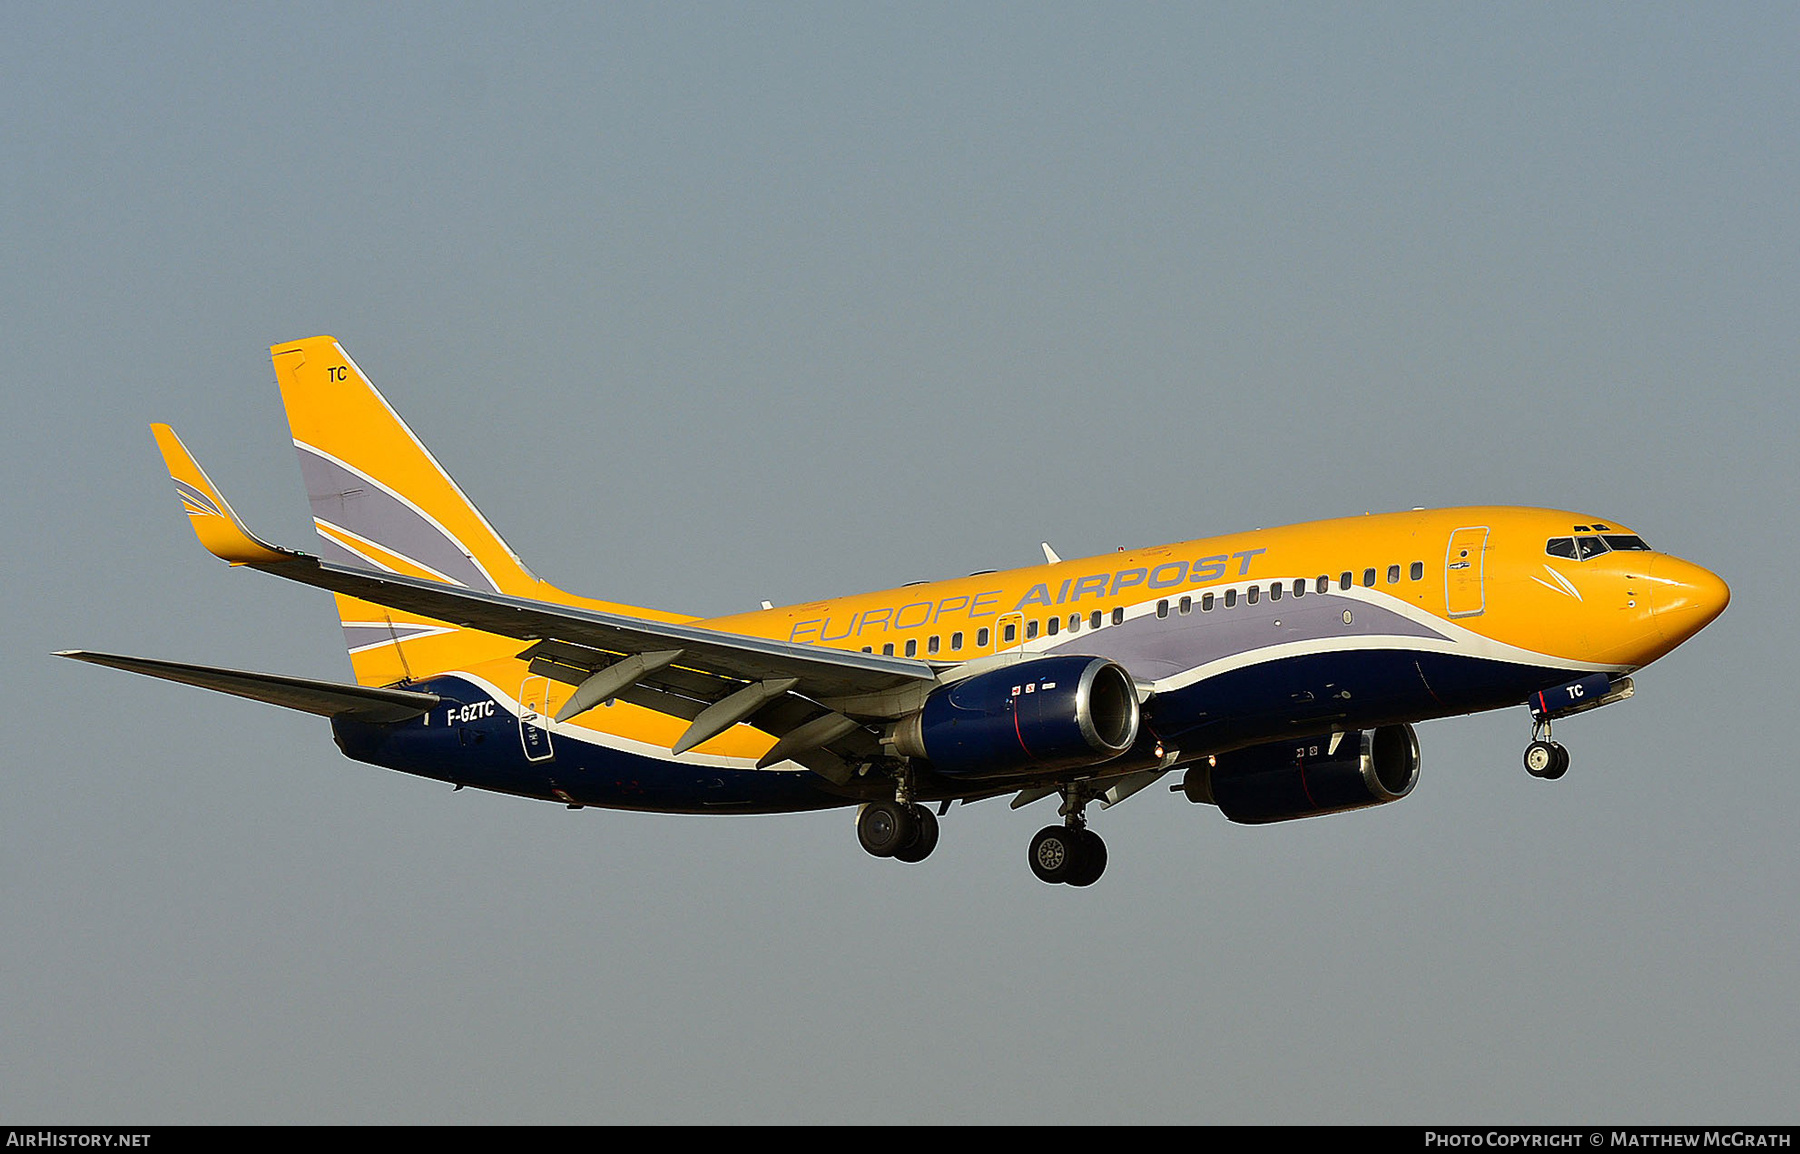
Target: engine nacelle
{"points": [[1049, 714], [1289, 779]]}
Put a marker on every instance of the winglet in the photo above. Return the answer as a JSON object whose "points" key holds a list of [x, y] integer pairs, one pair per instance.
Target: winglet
{"points": [[218, 528]]}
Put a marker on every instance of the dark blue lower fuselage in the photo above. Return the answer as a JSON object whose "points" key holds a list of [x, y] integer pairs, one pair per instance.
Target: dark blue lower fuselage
{"points": [[1268, 701]]}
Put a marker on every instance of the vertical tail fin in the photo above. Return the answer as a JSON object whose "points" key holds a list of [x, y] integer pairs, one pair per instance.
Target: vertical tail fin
{"points": [[380, 500]]}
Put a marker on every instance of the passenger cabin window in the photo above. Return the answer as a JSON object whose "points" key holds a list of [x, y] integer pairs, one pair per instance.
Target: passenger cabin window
{"points": [[1074, 623], [931, 646], [1344, 581], [956, 640], [1230, 598], [1418, 570], [1094, 619], [981, 638], [1010, 633], [1031, 629], [1119, 616], [1299, 586], [1393, 574], [1322, 585], [1162, 607], [1187, 605], [912, 647], [888, 649], [1206, 600], [1274, 590], [1253, 593], [1368, 578], [1055, 626]]}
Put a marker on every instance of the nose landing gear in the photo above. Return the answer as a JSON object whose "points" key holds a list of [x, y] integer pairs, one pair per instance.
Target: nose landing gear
{"points": [[1545, 758]]}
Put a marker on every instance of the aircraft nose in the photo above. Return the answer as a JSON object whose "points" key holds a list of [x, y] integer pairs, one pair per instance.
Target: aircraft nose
{"points": [[1684, 598]]}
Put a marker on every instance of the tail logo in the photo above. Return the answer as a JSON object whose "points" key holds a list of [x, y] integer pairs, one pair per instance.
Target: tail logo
{"points": [[198, 504]]}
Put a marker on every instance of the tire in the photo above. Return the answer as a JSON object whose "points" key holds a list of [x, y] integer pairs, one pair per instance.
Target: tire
{"points": [[925, 836], [885, 827], [1559, 762], [1092, 861], [1056, 854], [1540, 758]]}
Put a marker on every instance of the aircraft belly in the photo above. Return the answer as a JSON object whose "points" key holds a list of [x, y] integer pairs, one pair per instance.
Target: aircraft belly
{"points": [[1337, 690]]}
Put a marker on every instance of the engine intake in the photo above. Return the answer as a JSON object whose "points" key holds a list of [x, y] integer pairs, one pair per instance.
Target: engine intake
{"points": [[1053, 713], [1289, 779]]}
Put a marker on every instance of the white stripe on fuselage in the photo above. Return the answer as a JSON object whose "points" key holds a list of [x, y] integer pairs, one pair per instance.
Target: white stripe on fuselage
{"points": [[607, 740], [1454, 639]]}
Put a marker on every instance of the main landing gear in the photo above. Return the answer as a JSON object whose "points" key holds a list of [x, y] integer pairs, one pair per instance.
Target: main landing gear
{"points": [[1066, 854], [1545, 758], [903, 831], [1071, 853]]}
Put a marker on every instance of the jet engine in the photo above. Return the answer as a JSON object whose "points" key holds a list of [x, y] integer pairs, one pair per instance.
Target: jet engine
{"points": [[1049, 714], [1289, 779]]}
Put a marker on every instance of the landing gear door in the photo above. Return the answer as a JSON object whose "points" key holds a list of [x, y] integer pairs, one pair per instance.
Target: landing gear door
{"points": [[1464, 594], [534, 724]]}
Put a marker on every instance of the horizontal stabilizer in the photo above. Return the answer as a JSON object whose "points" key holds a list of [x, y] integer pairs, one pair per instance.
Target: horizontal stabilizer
{"points": [[325, 698]]}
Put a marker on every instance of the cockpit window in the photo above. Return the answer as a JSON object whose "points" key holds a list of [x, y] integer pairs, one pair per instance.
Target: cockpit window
{"points": [[1585, 548]]}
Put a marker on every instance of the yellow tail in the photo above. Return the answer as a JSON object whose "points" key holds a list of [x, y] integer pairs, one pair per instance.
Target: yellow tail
{"points": [[381, 501]]}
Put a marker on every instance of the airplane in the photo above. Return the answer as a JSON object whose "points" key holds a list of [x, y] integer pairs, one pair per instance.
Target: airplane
{"points": [[1280, 671]]}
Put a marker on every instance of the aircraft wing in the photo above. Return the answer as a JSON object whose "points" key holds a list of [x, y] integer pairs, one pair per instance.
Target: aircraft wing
{"points": [[813, 699], [828, 673]]}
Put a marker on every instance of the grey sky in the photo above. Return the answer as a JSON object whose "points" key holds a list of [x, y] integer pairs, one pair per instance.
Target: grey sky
{"points": [[705, 305]]}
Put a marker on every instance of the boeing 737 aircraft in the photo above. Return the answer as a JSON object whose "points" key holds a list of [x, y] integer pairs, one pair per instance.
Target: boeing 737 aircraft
{"points": [[1280, 671]]}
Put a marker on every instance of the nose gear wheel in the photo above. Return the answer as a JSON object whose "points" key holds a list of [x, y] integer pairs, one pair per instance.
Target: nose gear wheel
{"points": [[1545, 758]]}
